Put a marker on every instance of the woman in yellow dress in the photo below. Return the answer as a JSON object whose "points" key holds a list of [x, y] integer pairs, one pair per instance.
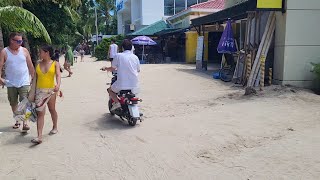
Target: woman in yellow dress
{"points": [[46, 88]]}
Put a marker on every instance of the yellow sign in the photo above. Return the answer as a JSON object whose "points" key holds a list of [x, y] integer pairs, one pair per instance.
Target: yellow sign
{"points": [[269, 4]]}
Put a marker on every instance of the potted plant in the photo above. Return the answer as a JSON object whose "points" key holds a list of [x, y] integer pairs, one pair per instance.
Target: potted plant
{"points": [[316, 81]]}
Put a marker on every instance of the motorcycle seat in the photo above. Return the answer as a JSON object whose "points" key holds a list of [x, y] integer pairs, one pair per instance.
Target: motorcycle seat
{"points": [[125, 92]]}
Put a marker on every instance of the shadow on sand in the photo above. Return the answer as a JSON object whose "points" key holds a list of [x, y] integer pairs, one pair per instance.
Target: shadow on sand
{"points": [[8, 129], [203, 74], [109, 122], [19, 138]]}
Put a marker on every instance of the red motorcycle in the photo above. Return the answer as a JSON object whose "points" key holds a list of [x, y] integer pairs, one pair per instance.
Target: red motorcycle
{"points": [[129, 110]]}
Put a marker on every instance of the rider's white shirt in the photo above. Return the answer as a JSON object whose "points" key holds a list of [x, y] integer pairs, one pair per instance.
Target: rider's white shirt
{"points": [[128, 68]]}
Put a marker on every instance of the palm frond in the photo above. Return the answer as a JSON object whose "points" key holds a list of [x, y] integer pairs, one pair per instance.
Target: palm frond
{"points": [[79, 34], [72, 13], [16, 18], [70, 3], [4, 3]]}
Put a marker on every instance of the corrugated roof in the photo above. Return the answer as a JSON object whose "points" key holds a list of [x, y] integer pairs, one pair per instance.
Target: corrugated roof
{"points": [[171, 31], [236, 12], [151, 29], [212, 4]]}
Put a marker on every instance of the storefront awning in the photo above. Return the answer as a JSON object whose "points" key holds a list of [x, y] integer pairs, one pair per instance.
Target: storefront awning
{"points": [[235, 13], [151, 29], [171, 31]]}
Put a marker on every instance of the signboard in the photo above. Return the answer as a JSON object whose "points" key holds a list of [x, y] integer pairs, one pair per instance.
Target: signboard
{"points": [[270, 4], [120, 5], [199, 48], [199, 52]]}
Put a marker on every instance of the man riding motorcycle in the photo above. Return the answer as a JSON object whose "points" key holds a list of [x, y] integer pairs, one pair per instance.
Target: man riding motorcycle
{"points": [[127, 66]]}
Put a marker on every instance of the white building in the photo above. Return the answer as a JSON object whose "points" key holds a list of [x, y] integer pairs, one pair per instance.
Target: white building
{"points": [[135, 14]]}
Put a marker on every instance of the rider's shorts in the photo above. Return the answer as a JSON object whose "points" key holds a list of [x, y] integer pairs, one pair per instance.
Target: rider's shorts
{"points": [[115, 88]]}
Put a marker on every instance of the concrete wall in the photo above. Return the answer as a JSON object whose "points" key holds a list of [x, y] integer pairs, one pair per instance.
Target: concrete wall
{"points": [[124, 15], [136, 12], [191, 46], [152, 11], [140, 12], [279, 47], [297, 43], [123, 19], [120, 23]]}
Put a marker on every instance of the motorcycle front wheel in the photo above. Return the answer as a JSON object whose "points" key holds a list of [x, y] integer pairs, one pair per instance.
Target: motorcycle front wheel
{"points": [[132, 121]]}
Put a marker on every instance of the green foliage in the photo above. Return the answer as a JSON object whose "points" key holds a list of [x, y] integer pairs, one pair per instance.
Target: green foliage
{"points": [[86, 24], [316, 69], [101, 52], [106, 16], [57, 21], [68, 3], [13, 18]]}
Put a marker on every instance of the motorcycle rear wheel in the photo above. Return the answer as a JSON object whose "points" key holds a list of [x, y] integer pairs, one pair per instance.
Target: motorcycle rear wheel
{"points": [[110, 106]]}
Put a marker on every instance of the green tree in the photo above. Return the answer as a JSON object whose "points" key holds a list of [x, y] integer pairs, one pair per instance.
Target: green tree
{"points": [[86, 24], [101, 52], [59, 19], [106, 9], [13, 18]]}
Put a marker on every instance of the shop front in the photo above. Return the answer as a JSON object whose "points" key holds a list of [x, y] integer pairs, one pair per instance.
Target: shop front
{"points": [[253, 25]]}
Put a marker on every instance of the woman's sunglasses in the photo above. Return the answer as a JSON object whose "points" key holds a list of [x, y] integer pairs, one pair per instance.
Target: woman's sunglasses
{"points": [[18, 41]]}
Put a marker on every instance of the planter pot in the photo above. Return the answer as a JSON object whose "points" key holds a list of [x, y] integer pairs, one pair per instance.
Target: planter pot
{"points": [[316, 86]]}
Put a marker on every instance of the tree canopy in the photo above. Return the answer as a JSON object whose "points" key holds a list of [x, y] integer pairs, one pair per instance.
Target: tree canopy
{"points": [[59, 22]]}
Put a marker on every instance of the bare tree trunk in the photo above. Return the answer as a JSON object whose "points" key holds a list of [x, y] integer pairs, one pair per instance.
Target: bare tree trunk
{"points": [[26, 42], [2, 74], [25, 38], [1, 39]]}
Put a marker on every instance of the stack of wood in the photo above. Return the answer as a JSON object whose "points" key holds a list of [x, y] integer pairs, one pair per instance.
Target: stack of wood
{"points": [[256, 54]]}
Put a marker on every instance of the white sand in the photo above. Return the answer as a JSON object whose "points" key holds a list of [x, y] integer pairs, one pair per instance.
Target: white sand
{"points": [[195, 128]]}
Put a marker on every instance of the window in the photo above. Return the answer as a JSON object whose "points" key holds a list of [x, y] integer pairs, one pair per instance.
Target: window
{"points": [[172, 7], [180, 6], [168, 7], [191, 2], [201, 1]]}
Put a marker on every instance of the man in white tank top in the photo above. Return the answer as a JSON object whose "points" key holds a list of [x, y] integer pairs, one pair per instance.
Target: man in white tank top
{"points": [[113, 50], [18, 69]]}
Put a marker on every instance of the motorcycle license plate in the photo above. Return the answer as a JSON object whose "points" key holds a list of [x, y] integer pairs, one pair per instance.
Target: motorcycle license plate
{"points": [[134, 111]]}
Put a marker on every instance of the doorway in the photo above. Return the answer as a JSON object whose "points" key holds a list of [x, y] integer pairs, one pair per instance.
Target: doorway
{"points": [[213, 42]]}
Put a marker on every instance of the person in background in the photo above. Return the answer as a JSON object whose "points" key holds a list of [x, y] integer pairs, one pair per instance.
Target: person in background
{"points": [[82, 52], [113, 50], [75, 55], [47, 71], [56, 55], [18, 69], [68, 61]]}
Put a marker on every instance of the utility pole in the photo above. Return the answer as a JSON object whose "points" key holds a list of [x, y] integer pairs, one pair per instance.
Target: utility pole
{"points": [[174, 7], [95, 11], [185, 4]]}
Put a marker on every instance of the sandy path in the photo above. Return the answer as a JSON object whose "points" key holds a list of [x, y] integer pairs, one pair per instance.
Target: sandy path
{"points": [[195, 128]]}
